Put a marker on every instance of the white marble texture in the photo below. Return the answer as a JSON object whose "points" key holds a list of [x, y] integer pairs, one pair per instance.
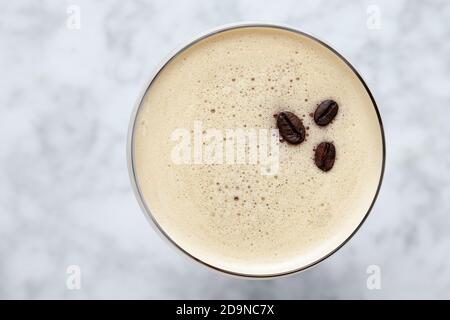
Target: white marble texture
{"points": [[65, 101]]}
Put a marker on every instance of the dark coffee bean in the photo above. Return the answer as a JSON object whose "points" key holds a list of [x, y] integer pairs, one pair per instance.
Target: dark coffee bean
{"points": [[325, 154], [291, 127], [325, 112]]}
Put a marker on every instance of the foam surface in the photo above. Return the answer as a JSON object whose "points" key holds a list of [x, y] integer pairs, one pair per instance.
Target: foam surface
{"points": [[231, 216]]}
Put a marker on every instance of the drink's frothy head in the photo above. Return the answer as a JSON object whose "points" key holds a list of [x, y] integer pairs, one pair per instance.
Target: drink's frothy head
{"points": [[264, 208]]}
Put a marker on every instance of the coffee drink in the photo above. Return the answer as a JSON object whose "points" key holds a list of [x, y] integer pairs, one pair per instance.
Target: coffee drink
{"points": [[239, 216]]}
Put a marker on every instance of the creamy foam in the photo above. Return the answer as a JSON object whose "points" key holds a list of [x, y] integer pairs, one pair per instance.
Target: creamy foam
{"points": [[240, 78]]}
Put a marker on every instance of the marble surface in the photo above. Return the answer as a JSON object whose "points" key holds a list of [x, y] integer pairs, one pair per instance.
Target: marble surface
{"points": [[65, 100]]}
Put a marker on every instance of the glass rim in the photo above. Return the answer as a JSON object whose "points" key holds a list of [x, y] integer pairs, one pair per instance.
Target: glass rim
{"points": [[130, 145]]}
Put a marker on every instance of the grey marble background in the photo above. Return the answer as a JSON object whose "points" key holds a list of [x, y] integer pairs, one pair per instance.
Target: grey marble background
{"points": [[65, 100]]}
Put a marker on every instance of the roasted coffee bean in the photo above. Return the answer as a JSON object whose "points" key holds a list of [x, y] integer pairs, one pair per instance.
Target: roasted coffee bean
{"points": [[324, 156], [325, 112], [291, 127]]}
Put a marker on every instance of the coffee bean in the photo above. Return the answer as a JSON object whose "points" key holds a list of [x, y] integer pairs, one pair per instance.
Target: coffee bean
{"points": [[325, 154], [325, 112], [291, 127]]}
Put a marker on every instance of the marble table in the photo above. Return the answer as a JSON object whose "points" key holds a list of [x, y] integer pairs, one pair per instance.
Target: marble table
{"points": [[70, 74]]}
